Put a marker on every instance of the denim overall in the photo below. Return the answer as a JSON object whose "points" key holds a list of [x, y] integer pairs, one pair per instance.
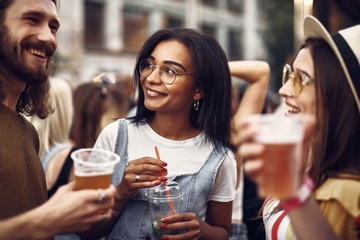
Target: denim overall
{"points": [[134, 221]]}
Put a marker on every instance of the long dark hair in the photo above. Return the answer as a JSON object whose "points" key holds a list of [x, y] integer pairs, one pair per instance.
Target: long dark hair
{"points": [[89, 106], [335, 147], [211, 73]]}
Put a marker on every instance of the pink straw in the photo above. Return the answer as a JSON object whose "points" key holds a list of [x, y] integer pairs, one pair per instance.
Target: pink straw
{"points": [[166, 188]]}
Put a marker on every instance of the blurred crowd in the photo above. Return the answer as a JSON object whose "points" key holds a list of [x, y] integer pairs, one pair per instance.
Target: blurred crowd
{"points": [[188, 100]]}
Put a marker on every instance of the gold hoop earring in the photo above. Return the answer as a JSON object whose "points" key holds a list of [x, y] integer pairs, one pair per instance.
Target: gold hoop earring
{"points": [[196, 105]]}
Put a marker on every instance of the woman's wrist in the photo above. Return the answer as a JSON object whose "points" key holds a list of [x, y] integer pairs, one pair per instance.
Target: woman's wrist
{"points": [[121, 199], [122, 195], [302, 195]]}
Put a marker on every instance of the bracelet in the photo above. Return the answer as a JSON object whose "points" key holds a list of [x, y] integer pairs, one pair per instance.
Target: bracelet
{"points": [[301, 196]]}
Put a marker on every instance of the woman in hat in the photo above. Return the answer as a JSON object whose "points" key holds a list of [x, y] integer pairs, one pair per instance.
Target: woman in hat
{"points": [[322, 81]]}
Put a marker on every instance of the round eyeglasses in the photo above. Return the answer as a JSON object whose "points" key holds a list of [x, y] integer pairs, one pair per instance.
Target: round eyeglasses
{"points": [[299, 79], [167, 73]]}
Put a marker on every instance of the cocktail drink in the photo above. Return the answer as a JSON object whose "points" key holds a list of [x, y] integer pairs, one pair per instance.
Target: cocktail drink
{"points": [[163, 200], [93, 168], [282, 137]]}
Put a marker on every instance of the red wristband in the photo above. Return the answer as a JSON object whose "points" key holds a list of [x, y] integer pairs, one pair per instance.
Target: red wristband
{"points": [[301, 197]]}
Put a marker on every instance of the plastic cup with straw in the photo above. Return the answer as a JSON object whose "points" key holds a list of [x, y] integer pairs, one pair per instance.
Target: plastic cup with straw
{"points": [[165, 184], [164, 200]]}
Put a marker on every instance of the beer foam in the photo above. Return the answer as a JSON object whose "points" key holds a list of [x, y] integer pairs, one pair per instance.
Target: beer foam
{"points": [[274, 129], [92, 173], [278, 139]]}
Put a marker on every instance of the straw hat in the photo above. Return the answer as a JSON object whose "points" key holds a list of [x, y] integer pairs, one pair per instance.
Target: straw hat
{"points": [[346, 46]]}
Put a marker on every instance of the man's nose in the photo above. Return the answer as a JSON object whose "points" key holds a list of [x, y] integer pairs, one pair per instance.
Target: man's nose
{"points": [[47, 35]]}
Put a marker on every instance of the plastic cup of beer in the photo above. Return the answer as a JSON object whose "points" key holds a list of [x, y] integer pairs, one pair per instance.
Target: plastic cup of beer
{"points": [[93, 168], [164, 200], [282, 137]]}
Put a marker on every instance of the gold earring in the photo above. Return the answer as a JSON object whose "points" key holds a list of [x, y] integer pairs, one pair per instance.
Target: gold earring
{"points": [[196, 105]]}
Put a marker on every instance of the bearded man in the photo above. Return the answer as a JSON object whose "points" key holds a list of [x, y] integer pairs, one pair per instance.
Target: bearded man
{"points": [[28, 31]]}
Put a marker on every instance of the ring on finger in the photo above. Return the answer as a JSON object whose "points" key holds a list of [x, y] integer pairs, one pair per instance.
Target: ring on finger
{"points": [[137, 177], [102, 195]]}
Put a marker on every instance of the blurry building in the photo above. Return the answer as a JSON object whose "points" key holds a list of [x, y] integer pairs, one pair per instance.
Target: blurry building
{"points": [[333, 14], [106, 35]]}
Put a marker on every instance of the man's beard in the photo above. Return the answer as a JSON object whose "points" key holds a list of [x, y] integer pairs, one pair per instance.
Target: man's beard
{"points": [[12, 62]]}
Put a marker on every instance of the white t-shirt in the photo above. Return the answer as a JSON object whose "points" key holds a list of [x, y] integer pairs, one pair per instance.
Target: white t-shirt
{"points": [[182, 157], [237, 213]]}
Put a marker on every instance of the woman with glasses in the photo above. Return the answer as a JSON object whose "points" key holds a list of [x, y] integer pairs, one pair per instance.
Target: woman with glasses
{"points": [[323, 82], [184, 109]]}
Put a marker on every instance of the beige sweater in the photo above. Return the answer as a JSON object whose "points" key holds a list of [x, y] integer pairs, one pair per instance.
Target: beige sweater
{"points": [[22, 179]]}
